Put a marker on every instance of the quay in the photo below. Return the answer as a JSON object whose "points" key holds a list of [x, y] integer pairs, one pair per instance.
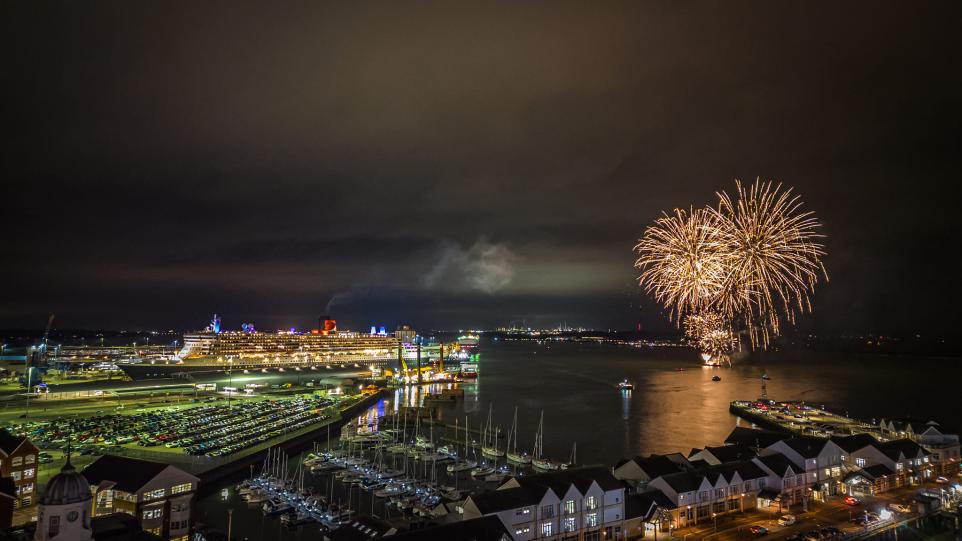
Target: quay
{"points": [[801, 418]]}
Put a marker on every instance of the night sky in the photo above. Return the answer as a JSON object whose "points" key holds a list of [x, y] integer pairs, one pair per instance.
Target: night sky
{"points": [[452, 166]]}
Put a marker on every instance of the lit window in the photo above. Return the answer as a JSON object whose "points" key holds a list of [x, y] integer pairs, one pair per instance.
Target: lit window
{"points": [[591, 502], [28, 473], [569, 507], [153, 513], [569, 524], [30, 459], [17, 461], [860, 462], [591, 520], [546, 529], [177, 489], [15, 475], [154, 494]]}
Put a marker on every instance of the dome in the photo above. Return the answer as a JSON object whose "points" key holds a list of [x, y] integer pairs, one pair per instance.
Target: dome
{"points": [[66, 487]]}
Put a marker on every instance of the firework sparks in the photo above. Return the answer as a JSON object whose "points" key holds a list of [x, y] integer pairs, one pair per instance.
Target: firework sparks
{"points": [[752, 261], [773, 257], [711, 331], [682, 261]]}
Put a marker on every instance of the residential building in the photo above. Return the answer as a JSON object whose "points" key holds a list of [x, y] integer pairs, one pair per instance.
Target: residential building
{"points": [[639, 471], [723, 453], [161, 496], [701, 494], [786, 483], [944, 448], [820, 458], [586, 503], [885, 465], [18, 460]]}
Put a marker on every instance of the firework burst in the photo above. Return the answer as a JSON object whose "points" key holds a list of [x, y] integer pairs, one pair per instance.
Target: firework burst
{"points": [[773, 257], [752, 261], [681, 261]]}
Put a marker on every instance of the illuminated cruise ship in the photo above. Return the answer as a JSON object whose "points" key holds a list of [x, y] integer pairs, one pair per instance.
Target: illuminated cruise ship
{"points": [[212, 350]]}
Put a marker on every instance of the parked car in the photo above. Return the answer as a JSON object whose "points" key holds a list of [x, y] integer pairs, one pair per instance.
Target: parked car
{"points": [[900, 508], [786, 520], [758, 530], [851, 500]]}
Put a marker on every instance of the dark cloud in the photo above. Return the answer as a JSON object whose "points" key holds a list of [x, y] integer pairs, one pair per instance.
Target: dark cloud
{"points": [[453, 164]]}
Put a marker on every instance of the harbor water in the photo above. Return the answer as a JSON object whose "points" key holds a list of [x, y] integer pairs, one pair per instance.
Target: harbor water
{"points": [[675, 406]]}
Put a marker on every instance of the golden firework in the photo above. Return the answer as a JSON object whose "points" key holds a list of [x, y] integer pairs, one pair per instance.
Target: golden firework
{"points": [[773, 257], [750, 262], [682, 261], [712, 333]]}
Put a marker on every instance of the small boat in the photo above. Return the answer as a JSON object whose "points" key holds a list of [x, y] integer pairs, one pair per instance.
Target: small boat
{"points": [[765, 375], [715, 378], [482, 471], [626, 386]]}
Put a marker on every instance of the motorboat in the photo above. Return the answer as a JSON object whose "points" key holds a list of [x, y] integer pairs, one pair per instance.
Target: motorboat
{"points": [[626, 385]]}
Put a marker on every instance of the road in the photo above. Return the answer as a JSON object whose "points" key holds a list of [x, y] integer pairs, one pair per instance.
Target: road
{"points": [[832, 513]]}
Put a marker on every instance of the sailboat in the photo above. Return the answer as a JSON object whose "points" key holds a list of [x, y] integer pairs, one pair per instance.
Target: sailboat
{"points": [[537, 460], [465, 464], [573, 460], [489, 443], [513, 455]]}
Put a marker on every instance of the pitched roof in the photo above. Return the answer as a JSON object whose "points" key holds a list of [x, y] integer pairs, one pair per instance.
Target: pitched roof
{"points": [[777, 463], [753, 437], [689, 481], [487, 528], [906, 447], [509, 498], [853, 443], [128, 474], [9, 442], [582, 477], [806, 446], [731, 453], [657, 465], [643, 504]]}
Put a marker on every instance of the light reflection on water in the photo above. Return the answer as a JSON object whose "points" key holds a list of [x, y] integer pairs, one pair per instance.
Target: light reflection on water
{"points": [[669, 410]]}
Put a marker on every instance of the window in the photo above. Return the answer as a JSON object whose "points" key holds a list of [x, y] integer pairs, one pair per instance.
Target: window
{"points": [[762, 483], [569, 524], [703, 495], [17, 461], [719, 493], [591, 520], [27, 488], [28, 473], [54, 527], [177, 489], [546, 529], [591, 502], [860, 462], [898, 466], [524, 530], [26, 501], [569, 507], [16, 475], [154, 494], [30, 459], [153, 513], [748, 486], [547, 511]]}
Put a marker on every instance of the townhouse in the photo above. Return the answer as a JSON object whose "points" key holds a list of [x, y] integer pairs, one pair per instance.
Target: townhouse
{"points": [[19, 462], [702, 494], [786, 483], [584, 504], [880, 466], [639, 471], [819, 458], [161, 496], [944, 448]]}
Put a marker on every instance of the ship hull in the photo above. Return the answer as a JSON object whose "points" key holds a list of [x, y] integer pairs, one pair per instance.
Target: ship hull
{"points": [[145, 371]]}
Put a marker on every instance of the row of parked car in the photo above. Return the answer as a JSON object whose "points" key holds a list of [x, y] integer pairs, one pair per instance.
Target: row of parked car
{"points": [[211, 430]]}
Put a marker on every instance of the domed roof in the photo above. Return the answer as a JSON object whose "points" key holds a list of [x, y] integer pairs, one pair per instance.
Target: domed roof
{"points": [[67, 487]]}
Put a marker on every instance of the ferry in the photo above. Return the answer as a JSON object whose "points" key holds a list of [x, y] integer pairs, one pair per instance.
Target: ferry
{"points": [[213, 350], [626, 385]]}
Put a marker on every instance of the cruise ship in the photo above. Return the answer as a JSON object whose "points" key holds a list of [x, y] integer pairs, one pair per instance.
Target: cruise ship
{"points": [[213, 350]]}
